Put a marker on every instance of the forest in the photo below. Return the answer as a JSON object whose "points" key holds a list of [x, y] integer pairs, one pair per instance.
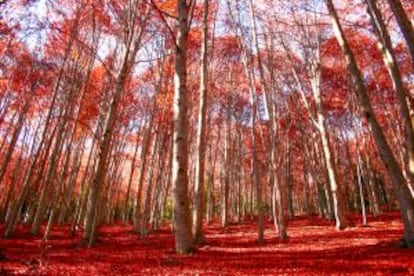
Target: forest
{"points": [[219, 137]]}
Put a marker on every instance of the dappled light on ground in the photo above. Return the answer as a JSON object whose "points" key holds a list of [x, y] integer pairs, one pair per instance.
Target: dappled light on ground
{"points": [[314, 247]]}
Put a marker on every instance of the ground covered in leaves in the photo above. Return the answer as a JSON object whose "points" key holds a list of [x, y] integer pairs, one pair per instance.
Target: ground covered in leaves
{"points": [[314, 247]]}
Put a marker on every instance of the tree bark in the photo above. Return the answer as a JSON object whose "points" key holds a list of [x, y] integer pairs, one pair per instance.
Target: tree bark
{"points": [[15, 135], [143, 165], [198, 212], [182, 216], [334, 193], [399, 184], [49, 179], [385, 46], [126, 209], [89, 235], [147, 199], [225, 169]]}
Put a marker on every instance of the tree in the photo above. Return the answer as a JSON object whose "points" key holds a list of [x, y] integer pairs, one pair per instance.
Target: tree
{"points": [[385, 47], [132, 43], [398, 181], [201, 136], [181, 216]]}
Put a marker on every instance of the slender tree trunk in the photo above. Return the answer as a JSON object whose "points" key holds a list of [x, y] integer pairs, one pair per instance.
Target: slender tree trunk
{"points": [[210, 181], [198, 212], [254, 173], [184, 241], [126, 209], [277, 200], [333, 192], [225, 170], [7, 203], [98, 180], [147, 199], [278, 206], [162, 178], [89, 235], [325, 191], [49, 180], [167, 184], [134, 34], [288, 181], [372, 195], [24, 190], [321, 199], [51, 173], [398, 180], [65, 207], [143, 164], [255, 176], [77, 159], [338, 204], [83, 191], [385, 46], [15, 135], [309, 207], [361, 189]]}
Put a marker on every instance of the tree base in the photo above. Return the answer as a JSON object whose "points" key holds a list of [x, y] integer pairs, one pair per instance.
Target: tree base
{"points": [[403, 243]]}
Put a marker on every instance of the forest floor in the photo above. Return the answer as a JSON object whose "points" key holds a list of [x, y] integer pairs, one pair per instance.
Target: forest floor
{"points": [[314, 248]]}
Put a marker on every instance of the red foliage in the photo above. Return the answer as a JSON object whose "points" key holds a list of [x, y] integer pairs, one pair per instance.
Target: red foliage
{"points": [[314, 248]]}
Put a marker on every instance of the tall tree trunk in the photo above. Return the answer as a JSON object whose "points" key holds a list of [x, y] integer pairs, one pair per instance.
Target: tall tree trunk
{"points": [[325, 191], [338, 203], [248, 70], [225, 170], [133, 36], [143, 165], [15, 135], [288, 181], [83, 191], [333, 192], [162, 180], [6, 205], [89, 235], [147, 199], [24, 190], [77, 159], [182, 216], [65, 208], [361, 189], [49, 179], [277, 200], [385, 46], [198, 212], [374, 202], [398, 180], [210, 182], [126, 209]]}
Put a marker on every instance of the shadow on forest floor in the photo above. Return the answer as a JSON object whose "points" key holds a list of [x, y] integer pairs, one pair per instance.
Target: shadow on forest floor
{"points": [[314, 247]]}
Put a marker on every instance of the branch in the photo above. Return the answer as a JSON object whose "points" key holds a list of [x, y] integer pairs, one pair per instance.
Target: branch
{"points": [[162, 15]]}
